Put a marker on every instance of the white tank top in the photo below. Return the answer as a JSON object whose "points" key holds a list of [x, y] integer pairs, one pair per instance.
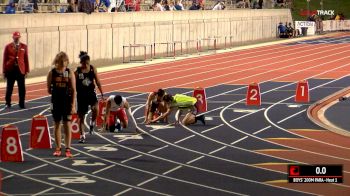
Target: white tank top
{"points": [[114, 106]]}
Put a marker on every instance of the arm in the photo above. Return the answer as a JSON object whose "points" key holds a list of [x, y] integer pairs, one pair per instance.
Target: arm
{"points": [[5, 61], [26, 61], [166, 114], [148, 103], [48, 82], [98, 83], [73, 88], [108, 109], [128, 111]]}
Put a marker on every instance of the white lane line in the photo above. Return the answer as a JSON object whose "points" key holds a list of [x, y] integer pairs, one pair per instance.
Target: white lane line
{"points": [[197, 61], [44, 182], [184, 139], [65, 158], [6, 177], [93, 176], [205, 131], [44, 191], [160, 148], [34, 168], [147, 181], [54, 174], [23, 110], [103, 169], [172, 170], [125, 191], [251, 113], [235, 142], [291, 116], [196, 159], [132, 158], [217, 150], [261, 130], [42, 112]]}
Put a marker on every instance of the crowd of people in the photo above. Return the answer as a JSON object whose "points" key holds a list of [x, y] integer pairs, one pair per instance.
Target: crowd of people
{"points": [[287, 31], [74, 92]]}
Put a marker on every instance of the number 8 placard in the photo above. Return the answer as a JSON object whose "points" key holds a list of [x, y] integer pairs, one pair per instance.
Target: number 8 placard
{"points": [[11, 147]]}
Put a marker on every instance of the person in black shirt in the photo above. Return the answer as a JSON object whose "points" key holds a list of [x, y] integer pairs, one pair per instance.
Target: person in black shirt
{"points": [[61, 86], [86, 78]]}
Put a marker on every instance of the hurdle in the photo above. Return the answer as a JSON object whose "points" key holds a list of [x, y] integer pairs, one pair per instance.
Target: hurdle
{"points": [[134, 46], [209, 39], [198, 45], [230, 37], [171, 48]]}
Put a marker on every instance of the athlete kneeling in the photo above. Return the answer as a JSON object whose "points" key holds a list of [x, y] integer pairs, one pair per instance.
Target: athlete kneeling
{"points": [[154, 105], [117, 112], [181, 103]]}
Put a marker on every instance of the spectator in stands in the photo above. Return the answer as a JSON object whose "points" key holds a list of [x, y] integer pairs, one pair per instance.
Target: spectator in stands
{"points": [[103, 6], [70, 7], [157, 6], [178, 5], [120, 6], [219, 6], [194, 6], [290, 31], [260, 3], [171, 5], [166, 5], [86, 6], [282, 31], [10, 8]]}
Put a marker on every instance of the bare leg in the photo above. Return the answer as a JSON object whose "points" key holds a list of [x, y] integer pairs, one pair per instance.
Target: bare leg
{"points": [[58, 136], [68, 133]]}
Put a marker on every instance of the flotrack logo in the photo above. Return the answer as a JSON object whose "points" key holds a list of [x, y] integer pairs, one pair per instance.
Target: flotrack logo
{"points": [[325, 12], [305, 12], [317, 12]]}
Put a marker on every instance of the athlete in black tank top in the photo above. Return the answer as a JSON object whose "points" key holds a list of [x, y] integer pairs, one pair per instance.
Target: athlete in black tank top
{"points": [[61, 86], [86, 77]]}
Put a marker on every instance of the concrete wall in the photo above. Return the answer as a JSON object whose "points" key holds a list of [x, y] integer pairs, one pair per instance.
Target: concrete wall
{"points": [[104, 34]]}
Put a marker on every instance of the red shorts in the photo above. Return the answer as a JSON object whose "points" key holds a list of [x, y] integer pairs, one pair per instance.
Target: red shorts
{"points": [[120, 114]]}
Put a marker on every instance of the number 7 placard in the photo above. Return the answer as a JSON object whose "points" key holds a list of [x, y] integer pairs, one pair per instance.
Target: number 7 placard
{"points": [[40, 134]]}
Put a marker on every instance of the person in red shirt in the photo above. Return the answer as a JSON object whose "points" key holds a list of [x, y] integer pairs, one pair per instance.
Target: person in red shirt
{"points": [[15, 68]]}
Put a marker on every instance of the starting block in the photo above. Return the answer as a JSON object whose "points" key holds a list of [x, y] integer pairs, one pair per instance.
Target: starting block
{"points": [[102, 105], [11, 147], [201, 104], [302, 92], [39, 133], [253, 95]]}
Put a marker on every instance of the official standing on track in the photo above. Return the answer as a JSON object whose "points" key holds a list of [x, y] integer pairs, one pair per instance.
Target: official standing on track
{"points": [[86, 78], [61, 86], [15, 68]]}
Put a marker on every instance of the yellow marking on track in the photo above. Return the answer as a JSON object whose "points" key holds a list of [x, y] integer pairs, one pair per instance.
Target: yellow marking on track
{"points": [[273, 150], [314, 130], [285, 138], [271, 163], [276, 181]]}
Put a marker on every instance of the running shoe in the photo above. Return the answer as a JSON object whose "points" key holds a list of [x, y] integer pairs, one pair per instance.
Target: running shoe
{"points": [[68, 153], [82, 140], [57, 152]]}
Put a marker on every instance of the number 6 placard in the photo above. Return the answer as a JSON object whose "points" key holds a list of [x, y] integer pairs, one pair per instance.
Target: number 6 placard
{"points": [[11, 147], [253, 95]]}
